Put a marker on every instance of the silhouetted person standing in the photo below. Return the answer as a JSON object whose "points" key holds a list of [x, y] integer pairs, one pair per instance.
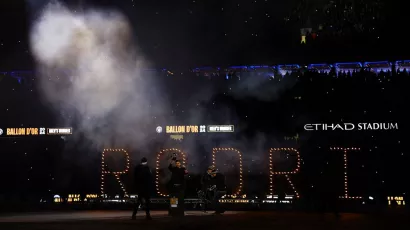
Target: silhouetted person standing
{"points": [[219, 189], [144, 183], [205, 183], [177, 183]]}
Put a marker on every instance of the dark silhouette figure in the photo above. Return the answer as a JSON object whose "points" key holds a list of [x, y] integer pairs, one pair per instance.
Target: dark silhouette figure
{"points": [[218, 181], [205, 183], [144, 183], [177, 183]]}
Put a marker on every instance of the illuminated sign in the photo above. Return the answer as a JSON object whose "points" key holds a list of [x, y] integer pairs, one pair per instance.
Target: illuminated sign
{"points": [[397, 200], [233, 201], [57, 199], [174, 202], [73, 198], [91, 196], [216, 150], [22, 131], [36, 131], [220, 128], [351, 126], [159, 129], [182, 129], [272, 172], [162, 153], [105, 171], [59, 131], [286, 174]]}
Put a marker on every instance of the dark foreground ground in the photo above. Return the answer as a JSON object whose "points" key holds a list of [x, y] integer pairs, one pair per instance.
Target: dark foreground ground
{"points": [[118, 220]]}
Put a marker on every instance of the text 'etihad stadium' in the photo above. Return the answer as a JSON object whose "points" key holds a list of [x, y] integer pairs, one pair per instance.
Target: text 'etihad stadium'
{"points": [[351, 126]]}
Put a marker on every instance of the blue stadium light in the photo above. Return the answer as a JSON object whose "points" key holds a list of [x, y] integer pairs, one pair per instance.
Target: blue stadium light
{"points": [[21, 72], [377, 63], [294, 65], [258, 66], [318, 64], [204, 68], [324, 64], [238, 67], [402, 62], [349, 63], [311, 66]]}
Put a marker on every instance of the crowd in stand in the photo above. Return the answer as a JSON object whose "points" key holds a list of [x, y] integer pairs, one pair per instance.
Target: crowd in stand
{"points": [[260, 102], [340, 17]]}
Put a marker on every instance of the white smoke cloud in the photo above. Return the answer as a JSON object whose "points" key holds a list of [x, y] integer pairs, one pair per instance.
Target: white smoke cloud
{"points": [[116, 103], [106, 87]]}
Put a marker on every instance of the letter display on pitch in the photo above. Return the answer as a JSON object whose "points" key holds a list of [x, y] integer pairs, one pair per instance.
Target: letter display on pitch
{"points": [[239, 189]]}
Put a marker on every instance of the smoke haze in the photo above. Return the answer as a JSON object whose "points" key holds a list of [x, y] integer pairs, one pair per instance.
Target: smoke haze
{"points": [[113, 101], [105, 87]]}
